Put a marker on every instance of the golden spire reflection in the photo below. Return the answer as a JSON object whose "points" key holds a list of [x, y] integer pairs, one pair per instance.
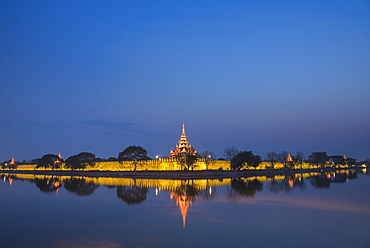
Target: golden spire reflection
{"points": [[183, 202]]}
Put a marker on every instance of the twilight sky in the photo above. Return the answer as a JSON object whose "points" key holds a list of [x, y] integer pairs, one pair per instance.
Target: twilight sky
{"points": [[265, 76]]}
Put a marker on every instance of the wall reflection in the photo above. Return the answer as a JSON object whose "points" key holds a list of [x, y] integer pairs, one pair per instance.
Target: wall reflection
{"points": [[184, 192]]}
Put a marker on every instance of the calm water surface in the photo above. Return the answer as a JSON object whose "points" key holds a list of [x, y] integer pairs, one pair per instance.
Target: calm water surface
{"points": [[327, 210]]}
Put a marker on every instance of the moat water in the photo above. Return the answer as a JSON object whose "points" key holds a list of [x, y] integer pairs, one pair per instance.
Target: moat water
{"points": [[301, 210]]}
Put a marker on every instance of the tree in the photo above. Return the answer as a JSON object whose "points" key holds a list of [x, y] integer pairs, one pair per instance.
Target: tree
{"points": [[367, 161], [80, 161], [34, 161], [230, 152], [272, 157], [188, 161], [282, 157], [256, 160], [49, 161], [208, 157], [318, 158], [245, 158], [134, 154], [298, 158]]}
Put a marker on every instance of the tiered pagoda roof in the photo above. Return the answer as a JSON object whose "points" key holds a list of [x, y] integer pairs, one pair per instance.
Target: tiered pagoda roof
{"points": [[183, 147]]}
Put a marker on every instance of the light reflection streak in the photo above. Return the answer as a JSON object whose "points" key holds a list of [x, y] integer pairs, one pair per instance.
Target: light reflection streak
{"points": [[85, 243], [308, 202]]}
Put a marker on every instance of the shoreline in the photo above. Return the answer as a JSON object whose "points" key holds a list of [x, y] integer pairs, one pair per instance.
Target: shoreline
{"points": [[185, 175]]}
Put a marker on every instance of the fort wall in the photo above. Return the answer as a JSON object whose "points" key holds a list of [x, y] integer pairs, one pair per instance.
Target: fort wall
{"points": [[161, 164], [172, 164]]}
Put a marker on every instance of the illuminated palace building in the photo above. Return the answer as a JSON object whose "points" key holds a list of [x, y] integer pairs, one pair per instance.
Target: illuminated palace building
{"points": [[182, 148]]}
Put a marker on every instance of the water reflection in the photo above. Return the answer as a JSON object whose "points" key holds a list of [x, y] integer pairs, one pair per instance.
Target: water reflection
{"points": [[324, 180], [309, 210], [288, 184], [184, 192], [241, 187], [80, 186], [185, 195], [132, 195], [48, 185], [134, 191]]}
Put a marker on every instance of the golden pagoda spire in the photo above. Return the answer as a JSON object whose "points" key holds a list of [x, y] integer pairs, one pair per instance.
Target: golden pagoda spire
{"points": [[289, 158], [182, 148]]}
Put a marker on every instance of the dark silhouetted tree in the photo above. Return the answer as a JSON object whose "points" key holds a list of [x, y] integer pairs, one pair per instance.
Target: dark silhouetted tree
{"points": [[34, 161], [299, 158], [318, 158], [80, 161], [245, 159], [367, 163], [208, 156], [272, 158], [49, 161], [187, 162], [134, 154], [282, 157], [230, 152]]}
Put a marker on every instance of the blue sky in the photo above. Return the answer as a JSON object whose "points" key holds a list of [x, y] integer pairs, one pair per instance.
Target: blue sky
{"points": [[265, 76]]}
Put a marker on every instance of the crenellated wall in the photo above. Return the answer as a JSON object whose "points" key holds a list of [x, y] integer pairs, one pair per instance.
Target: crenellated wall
{"points": [[155, 164], [170, 164], [162, 164]]}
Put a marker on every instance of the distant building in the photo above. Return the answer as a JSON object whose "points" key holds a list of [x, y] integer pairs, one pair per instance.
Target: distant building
{"points": [[289, 158], [338, 159], [12, 162], [183, 148]]}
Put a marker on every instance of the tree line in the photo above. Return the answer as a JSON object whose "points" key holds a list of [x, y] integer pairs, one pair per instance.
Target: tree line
{"points": [[246, 159], [82, 160], [239, 159]]}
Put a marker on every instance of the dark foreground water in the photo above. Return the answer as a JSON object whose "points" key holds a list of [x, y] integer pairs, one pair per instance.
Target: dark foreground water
{"points": [[327, 210]]}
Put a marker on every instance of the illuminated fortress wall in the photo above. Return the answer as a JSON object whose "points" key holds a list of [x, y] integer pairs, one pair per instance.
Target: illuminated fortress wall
{"points": [[155, 164], [167, 164], [170, 164]]}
